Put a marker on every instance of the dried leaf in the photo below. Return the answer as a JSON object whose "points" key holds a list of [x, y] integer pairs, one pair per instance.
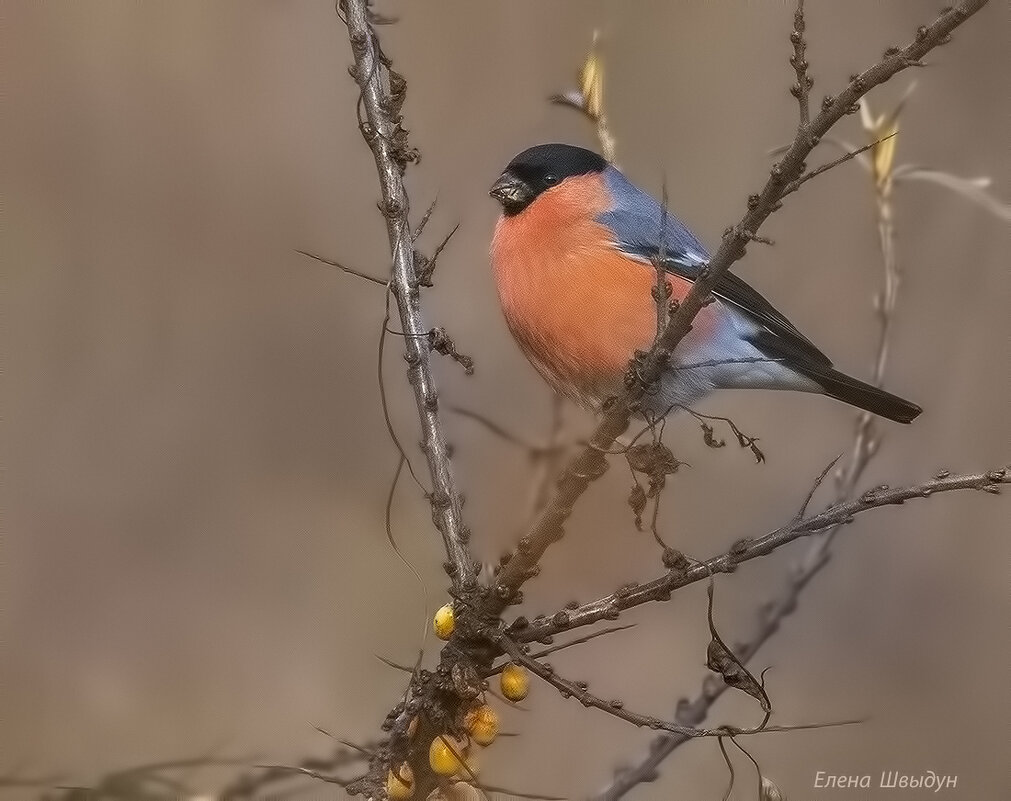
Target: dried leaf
{"points": [[652, 459], [441, 342], [720, 659], [748, 442], [884, 127], [883, 153], [637, 502], [709, 438], [591, 81], [874, 125], [573, 98]]}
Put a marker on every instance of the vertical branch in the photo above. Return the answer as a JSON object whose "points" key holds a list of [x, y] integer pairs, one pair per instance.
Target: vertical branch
{"points": [[382, 94], [801, 89], [866, 442]]}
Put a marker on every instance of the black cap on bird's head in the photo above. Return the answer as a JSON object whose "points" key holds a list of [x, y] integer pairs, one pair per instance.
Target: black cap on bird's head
{"points": [[539, 168]]}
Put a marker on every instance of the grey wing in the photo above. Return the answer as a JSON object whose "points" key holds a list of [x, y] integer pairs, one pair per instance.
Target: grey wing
{"points": [[643, 229]]}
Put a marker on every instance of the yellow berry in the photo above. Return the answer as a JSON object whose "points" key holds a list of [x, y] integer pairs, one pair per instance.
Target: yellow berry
{"points": [[482, 723], [515, 682], [445, 622], [400, 784], [446, 754]]}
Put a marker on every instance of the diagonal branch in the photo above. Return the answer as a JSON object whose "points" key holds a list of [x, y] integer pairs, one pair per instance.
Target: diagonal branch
{"points": [[343, 268], [382, 93], [851, 154], [578, 690], [590, 462], [660, 589]]}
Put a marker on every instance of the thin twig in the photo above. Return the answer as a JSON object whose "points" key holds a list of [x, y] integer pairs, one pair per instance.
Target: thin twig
{"points": [[852, 154], [307, 772], [659, 589], [420, 227], [533, 449], [562, 646], [579, 691], [814, 487], [344, 268]]}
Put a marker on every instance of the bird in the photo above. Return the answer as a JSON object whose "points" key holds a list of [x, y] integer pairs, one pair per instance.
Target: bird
{"points": [[574, 256]]}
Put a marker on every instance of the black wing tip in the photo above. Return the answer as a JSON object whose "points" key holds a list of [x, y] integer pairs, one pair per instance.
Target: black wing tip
{"points": [[904, 411], [857, 393], [870, 399], [836, 385]]}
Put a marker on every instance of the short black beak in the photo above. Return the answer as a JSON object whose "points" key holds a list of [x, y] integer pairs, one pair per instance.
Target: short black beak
{"points": [[510, 191]]}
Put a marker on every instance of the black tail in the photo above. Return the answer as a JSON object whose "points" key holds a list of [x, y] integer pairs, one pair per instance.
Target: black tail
{"points": [[856, 393]]}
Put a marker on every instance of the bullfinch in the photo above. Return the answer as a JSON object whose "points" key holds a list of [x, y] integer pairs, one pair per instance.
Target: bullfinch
{"points": [[573, 256]]}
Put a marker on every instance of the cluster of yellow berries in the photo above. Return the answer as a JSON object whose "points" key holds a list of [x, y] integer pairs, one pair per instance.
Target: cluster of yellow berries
{"points": [[451, 756], [515, 682]]}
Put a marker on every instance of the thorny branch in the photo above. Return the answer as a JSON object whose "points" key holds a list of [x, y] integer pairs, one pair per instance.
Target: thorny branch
{"points": [[579, 691], [382, 94], [660, 588], [590, 462]]}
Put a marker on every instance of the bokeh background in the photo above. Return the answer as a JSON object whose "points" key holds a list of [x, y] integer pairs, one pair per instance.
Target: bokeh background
{"points": [[194, 559]]}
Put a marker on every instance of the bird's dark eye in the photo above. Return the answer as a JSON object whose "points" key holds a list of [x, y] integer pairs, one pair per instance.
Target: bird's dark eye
{"points": [[551, 179]]}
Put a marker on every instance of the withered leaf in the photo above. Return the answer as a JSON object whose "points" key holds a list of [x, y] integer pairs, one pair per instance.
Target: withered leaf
{"points": [[709, 438], [720, 659], [653, 459], [637, 502]]}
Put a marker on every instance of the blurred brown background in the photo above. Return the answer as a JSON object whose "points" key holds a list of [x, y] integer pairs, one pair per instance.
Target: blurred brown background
{"points": [[194, 557]]}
